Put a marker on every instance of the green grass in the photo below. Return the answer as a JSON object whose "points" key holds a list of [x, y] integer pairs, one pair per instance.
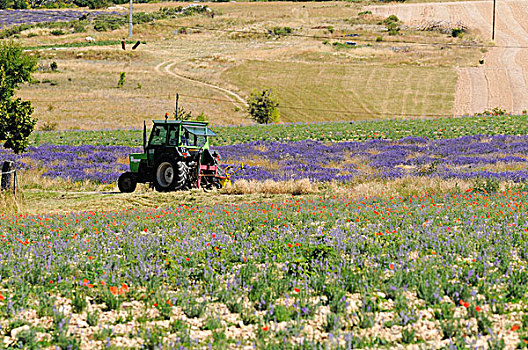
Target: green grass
{"points": [[333, 131], [324, 92]]}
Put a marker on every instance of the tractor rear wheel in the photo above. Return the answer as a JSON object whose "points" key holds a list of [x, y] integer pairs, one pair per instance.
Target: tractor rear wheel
{"points": [[127, 182], [170, 175]]}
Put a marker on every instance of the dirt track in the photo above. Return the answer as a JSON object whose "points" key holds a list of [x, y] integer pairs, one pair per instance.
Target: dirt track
{"points": [[503, 78]]}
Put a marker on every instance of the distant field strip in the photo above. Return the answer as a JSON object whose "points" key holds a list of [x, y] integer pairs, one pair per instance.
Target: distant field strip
{"points": [[503, 78], [319, 92]]}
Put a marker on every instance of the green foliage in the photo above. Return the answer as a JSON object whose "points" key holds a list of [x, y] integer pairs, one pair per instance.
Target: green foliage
{"points": [[495, 111], [92, 318], [193, 309], [16, 123], [79, 302], [263, 107], [122, 78], [433, 129], [92, 4], [183, 114], [16, 68], [393, 24], [486, 185], [333, 323], [456, 32], [450, 329], [408, 335], [57, 32], [152, 337], [212, 323], [27, 339], [282, 31]]}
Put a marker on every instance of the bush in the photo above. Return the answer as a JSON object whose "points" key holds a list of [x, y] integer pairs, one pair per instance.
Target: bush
{"points": [[456, 32], [262, 107], [92, 4], [121, 81], [393, 24], [57, 32], [278, 31]]}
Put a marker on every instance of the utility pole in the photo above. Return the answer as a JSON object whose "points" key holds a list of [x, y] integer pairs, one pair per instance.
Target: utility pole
{"points": [[130, 20], [493, 25]]}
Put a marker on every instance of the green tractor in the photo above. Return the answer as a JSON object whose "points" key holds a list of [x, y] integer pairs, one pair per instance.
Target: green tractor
{"points": [[175, 157]]}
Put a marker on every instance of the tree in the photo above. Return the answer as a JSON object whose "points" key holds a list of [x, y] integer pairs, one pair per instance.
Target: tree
{"points": [[16, 123], [262, 107]]}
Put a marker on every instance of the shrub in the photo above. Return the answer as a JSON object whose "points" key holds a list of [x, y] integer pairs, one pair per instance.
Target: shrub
{"points": [[278, 31], [262, 107], [57, 32], [121, 81], [393, 24], [456, 32]]}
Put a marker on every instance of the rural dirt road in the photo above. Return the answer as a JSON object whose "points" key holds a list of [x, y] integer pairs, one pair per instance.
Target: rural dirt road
{"points": [[502, 80], [168, 67]]}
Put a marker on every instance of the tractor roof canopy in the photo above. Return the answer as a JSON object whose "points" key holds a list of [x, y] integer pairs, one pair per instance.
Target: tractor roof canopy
{"points": [[195, 128]]}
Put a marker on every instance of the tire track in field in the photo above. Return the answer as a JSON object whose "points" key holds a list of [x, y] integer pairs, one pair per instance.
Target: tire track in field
{"points": [[167, 67], [502, 81]]}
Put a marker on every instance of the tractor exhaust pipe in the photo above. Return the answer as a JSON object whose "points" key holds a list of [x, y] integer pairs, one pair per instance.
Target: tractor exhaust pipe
{"points": [[144, 136]]}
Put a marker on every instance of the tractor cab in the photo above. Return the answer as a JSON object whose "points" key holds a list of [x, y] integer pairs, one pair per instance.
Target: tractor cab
{"points": [[177, 133]]}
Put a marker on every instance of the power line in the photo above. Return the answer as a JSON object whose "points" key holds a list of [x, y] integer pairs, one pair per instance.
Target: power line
{"points": [[336, 111]]}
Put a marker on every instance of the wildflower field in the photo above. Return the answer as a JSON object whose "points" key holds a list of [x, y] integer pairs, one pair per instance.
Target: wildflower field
{"points": [[437, 271], [312, 271]]}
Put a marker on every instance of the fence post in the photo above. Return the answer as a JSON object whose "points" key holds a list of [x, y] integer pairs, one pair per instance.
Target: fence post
{"points": [[6, 175]]}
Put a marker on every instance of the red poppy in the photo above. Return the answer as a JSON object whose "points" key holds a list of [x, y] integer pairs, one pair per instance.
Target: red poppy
{"points": [[155, 304], [265, 328], [391, 266], [478, 309], [2, 298], [515, 328], [466, 305], [296, 290]]}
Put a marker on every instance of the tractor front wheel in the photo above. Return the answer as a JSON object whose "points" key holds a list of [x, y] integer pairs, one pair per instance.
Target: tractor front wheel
{"points": [[127, 182], [170, 175]]}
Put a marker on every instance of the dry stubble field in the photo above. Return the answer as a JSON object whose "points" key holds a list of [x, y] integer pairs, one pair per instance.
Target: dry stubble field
{"points": [[221, 60]]}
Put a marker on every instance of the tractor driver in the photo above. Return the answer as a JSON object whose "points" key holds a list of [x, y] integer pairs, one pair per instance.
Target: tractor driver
{"points": [[185, 138]]}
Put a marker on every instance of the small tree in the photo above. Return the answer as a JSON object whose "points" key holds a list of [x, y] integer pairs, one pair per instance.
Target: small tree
{"points": [[16, 123], [262, 107], [182, 114]]}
